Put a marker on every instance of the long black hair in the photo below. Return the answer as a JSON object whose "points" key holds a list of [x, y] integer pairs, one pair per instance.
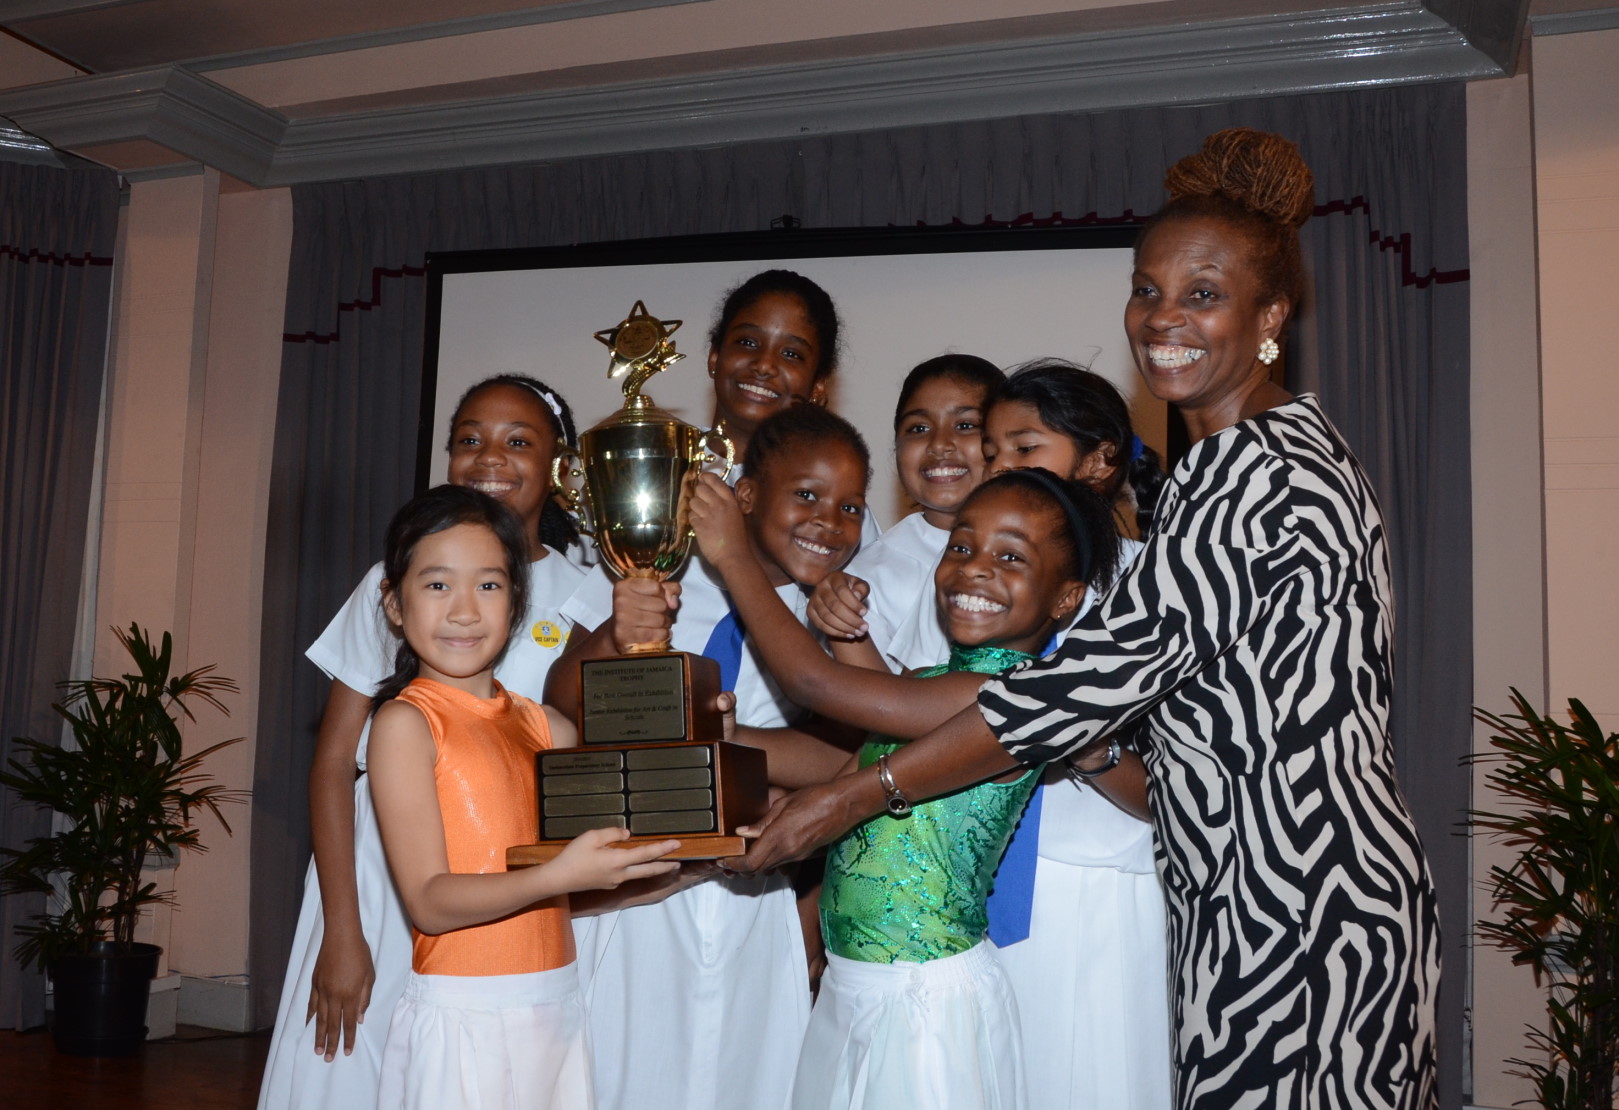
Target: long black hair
{"points": [[557, 529], [1090, 541], [437, 510], [1085, 407]]}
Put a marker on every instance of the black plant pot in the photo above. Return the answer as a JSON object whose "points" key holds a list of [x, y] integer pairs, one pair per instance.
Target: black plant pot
{"points": [[101, 999]]}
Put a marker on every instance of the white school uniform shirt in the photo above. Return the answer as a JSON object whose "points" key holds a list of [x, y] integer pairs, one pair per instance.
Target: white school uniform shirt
{"points": [[899, 566], [698, 1002], [357, 648]]}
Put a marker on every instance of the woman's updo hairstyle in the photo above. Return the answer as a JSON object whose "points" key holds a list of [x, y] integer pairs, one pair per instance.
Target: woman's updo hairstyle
{"points": [[816, 301], [1257, 183]]}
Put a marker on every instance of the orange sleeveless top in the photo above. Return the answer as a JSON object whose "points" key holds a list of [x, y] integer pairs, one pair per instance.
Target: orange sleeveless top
{"points": [[488, 797]]}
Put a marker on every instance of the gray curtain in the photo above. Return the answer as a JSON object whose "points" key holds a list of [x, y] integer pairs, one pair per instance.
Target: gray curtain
{"points": [[57, 229], [1389, 355]]}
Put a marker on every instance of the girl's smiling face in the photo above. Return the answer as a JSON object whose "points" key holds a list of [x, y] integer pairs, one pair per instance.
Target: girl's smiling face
{"points": [[502, 443], [939, 447], [453, 606], [1004, 578], [768, 359], [1015, 438], [804, 509]]}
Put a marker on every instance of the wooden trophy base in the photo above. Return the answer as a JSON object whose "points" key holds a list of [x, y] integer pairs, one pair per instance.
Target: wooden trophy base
{"points": [[692, 846], [697, 792]]}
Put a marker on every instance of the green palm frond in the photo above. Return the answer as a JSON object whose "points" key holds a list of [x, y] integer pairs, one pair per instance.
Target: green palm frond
{"points": [[129, 790], [1557, 899]]}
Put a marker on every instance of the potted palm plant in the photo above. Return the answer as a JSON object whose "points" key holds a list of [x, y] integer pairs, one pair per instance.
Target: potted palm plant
{"points": [[1560, 896], [130, 794]]}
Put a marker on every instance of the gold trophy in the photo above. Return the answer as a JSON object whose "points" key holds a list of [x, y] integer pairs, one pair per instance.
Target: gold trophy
{"points": [[651, 756]]}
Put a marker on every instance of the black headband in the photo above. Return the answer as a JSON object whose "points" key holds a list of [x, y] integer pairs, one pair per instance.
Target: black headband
{"points": [[1076, 522]]}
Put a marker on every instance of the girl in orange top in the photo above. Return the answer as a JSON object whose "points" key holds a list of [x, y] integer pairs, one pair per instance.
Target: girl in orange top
{"points": [[491, 1015]]}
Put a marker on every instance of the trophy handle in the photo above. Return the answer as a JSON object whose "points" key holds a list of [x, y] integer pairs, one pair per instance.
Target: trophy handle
{"points": [[728, 456], [564, 465]]}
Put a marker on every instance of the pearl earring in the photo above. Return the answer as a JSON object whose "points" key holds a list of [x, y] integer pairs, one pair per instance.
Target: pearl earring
{"points": [[1269, 351]]}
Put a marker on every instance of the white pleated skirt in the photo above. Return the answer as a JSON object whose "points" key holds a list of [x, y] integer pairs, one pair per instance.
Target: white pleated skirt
{"points": [[698, 1002], [1092, 990], [295, 1078], [940, 1035], [488, 1042]]}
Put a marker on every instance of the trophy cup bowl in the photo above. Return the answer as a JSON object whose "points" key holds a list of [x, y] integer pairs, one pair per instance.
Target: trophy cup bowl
{"points": [[652, 755], [638, 468]]}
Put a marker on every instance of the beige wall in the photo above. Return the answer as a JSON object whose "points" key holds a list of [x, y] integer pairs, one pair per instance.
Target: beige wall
{"points": [[1543, 162], [1509, 642], [1577, 181], [194, 373]]}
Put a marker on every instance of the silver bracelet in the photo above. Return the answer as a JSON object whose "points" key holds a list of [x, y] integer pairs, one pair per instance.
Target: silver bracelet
{"points": [[1115, 752], [898, 804]]}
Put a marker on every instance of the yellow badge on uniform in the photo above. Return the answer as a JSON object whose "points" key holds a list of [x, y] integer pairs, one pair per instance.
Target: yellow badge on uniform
{"points": [[547, 634]]}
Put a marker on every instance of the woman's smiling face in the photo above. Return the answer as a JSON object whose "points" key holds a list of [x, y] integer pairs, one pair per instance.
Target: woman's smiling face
{"points": [[1195, 319]]}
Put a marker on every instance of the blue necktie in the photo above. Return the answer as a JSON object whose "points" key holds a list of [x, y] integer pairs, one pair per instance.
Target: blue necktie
{"points": [[725, 647], [1011, 902]]}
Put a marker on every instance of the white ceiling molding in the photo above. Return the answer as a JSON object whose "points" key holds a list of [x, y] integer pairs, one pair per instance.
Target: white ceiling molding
{"points": [[1377, 43], [469, 25], [167, 105], [1570, 23], [15, 11]]}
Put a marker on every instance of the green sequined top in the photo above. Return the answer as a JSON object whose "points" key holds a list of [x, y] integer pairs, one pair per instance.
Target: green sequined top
{"points": [[914, 888]]}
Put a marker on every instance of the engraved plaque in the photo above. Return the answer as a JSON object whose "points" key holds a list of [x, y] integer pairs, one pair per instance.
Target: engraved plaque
{"points": [[672, 822], [578, 805], [650, 800], [581, 784], [633, 700], [673, 778], [571, 761], [566, 828], [651, 759]]}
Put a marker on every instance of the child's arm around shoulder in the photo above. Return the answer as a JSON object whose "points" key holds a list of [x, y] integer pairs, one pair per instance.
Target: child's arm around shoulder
{"points": [[874, 700], [401, 760], [838, 609]]}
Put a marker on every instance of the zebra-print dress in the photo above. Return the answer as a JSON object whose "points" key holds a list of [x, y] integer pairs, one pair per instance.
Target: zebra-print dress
{"points": [[1250, 641]]}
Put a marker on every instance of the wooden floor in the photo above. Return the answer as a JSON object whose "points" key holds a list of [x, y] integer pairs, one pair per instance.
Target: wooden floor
{"points": [[196, 1069]]}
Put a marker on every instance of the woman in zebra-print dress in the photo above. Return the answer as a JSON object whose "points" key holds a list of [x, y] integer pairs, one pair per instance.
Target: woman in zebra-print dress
{"points": [[1247, 650]]}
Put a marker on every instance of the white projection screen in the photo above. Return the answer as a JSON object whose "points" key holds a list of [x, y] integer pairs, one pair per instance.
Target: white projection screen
{"points": [[1008, 296]]}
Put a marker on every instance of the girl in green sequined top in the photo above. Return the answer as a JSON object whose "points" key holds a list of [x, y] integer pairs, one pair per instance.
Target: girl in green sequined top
{"points": [[914, 1010]]}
